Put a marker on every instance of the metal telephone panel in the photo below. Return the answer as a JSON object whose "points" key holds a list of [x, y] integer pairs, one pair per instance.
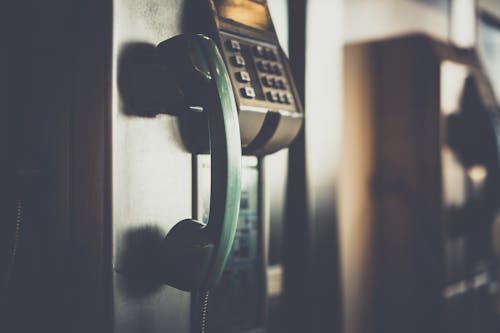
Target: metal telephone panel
{"points": [[151, 178], [270, 110]]}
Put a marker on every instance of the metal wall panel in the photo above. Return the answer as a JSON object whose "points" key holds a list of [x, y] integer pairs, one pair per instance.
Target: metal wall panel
{"points": [[151, 178]]}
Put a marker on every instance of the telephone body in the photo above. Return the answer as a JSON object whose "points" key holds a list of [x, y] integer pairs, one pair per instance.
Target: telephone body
{"points": [[270, 110]]}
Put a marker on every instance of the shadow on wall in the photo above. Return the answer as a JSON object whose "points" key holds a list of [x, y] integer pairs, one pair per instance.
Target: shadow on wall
{"points": [[139, 262], [144, 82]]}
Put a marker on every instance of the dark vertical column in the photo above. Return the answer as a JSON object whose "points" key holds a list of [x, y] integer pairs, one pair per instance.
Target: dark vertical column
{"points": [[296, 289], [23, 131], [90, 155], [312, 267]]}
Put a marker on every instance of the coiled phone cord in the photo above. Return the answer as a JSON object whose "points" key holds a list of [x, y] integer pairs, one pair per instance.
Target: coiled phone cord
{"points": [[15, 245], [204, 311]]}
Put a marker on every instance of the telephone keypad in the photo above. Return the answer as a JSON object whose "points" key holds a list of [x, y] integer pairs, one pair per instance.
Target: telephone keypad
{"points": [[260, 77]]}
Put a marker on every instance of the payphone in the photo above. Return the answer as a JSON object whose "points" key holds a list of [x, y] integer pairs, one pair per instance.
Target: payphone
{"points": [[270, 117], [116, 179], [422, 127]]}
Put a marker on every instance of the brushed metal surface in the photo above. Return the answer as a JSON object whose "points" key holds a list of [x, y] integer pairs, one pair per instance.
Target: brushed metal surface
{"points": [[151, 180]]}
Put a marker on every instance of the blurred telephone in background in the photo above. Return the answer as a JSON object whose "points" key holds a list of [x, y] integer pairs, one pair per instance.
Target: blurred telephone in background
{"points": [[423, 126]]}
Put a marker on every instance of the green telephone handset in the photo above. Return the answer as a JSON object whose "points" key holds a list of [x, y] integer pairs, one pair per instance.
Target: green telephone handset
{"points": [[194, 254]]}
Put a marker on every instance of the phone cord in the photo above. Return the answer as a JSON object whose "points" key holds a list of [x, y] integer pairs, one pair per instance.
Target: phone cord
{"points": [[15, 245], [204, 312]]}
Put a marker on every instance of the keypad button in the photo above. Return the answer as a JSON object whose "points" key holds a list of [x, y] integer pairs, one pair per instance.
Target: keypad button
{"points": [[264, 67], [272, 96], [269, 82], [280, 84], [282, 98], [258, 51], [276, 69], [248, 92], [285, 98], [243, 76], [260, 66], [238, 61], [233, 45], [270, 54]]}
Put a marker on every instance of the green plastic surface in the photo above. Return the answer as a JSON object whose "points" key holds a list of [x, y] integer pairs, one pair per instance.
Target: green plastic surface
{"points": [[225, 150]]}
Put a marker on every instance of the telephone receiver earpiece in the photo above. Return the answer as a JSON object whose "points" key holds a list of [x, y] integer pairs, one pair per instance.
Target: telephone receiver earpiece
{"points": [[194, 254]]}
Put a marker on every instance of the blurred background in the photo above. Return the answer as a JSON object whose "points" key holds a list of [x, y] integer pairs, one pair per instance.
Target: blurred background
{"points": [[372, 147], [370, 188]]}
